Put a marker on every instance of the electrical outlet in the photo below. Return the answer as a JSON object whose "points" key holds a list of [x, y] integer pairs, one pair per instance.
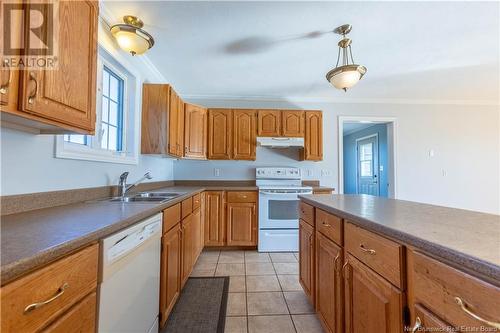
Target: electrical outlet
{"points": [[216, 172], [326, 173], [309, 172]]}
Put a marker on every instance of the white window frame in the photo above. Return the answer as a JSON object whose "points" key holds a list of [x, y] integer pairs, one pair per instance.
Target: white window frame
{"points": [[93, 151]]}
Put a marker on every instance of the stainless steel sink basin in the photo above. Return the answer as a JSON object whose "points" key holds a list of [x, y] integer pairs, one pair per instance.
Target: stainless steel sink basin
{"points": [[139, 199], [158, 194]]}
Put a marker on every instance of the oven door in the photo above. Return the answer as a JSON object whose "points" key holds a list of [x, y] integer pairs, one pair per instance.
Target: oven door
{"points": [[278, 210]]}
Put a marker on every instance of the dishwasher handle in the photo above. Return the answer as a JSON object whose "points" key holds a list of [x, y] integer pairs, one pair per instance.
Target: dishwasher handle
{"points": [[131, 241]]}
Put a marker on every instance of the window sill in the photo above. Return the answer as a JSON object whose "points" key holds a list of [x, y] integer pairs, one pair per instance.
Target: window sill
{"points": [[70, 151]]}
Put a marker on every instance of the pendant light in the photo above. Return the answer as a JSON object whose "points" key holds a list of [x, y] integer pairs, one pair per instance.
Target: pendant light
{"points": [[131, 37], [348, 74]]}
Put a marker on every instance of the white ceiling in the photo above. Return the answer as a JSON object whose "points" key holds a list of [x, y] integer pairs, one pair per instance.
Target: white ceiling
{"points": [[414, 51]]}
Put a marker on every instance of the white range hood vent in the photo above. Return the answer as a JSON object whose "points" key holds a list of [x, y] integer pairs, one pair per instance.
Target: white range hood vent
{"points": [[280, 142]]}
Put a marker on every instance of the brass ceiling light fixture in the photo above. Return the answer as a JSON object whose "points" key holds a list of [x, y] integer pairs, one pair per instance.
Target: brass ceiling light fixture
{"points": [[131, 37], [348, 74]]}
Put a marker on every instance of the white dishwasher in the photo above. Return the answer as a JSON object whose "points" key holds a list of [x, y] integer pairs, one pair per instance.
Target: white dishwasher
{"points": [[130, 279]]}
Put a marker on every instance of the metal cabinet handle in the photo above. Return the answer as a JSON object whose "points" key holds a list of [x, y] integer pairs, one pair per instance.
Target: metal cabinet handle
{"points": [[59, 293], [335, 261], [4, 88], [418, 324], [364, 249], [465, 309], [325, 224], [31, 98], [344, 268]]}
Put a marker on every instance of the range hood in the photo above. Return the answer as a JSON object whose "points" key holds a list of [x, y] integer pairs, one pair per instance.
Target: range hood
{"points": [[280, 142]]}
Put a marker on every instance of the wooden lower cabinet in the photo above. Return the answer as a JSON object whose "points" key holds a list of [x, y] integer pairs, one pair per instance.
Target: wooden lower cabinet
{"points": [[214, 218], [306, 260], [170, 284], [241, 224], [372, 304], [329, 284], [79, 319], [188, 238]]}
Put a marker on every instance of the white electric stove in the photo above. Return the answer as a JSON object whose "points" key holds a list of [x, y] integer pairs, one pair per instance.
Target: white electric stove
{"points": [[279, 189]]}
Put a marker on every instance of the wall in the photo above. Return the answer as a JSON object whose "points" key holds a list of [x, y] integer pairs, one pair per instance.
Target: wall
{"points": [[28, 163], [464, 171], [350, 160]]}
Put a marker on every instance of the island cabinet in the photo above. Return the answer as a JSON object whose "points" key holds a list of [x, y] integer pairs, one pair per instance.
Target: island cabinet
{"points": [[241, 218], [307, 250], [60, 100], [60, 297], [443, 297], [195, 132]]}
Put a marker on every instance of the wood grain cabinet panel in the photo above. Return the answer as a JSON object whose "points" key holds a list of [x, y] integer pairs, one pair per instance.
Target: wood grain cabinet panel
{"points": [[293, 123], [329, 288], [428, 321], [76, 274], [175, 124], [195, 132], [170, 273], [372, 304], [68, 95], [306, 213], [244, 134], [220, 130], [154, 124], [241, 224], [188, 239], [79, 319], [330, 225], [313, 140], [269, 123], [214, 218], [9, 78], [306, 259]]}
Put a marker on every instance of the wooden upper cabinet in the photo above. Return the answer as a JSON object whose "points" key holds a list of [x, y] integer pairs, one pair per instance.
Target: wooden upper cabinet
{"points": [[244, 134], [220, 134], [241, 224], [9, 78], [180, 127], [175, 124], [293, 123], [313, 140], [269, 123], [195, 132], [154, 119], [170, 274], [214, 218], [372, 304], [67, 95], [329, 288], [306, 259]]}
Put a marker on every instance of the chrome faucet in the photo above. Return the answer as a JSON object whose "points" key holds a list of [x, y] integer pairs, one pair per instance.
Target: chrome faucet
{"points": [[124, 188]]}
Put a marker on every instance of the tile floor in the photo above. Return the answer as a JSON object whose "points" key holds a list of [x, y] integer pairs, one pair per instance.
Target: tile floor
{"points": [[264, 291]]}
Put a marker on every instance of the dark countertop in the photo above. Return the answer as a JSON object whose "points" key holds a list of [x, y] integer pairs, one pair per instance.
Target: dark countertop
{"points": [[469, 240], [32, 239]]}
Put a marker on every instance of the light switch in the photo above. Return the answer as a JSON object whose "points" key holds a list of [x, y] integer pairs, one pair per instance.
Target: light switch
{"points": [[216, 172], [431, 152]]}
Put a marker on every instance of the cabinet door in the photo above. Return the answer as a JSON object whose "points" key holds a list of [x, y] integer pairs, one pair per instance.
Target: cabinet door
{"points": [[219, 134], [154, 119], [313, 141], [170, 282], [188, 237], [269, 123], [198, 235], [372, 304], [180, 127], [329, 289], [195, 132], [241, 224], [426, 321], [306, 259], [214, 218], [80, 318], [173, 123], [244, 134], [68, 93], [293, 123], [9, 78]]}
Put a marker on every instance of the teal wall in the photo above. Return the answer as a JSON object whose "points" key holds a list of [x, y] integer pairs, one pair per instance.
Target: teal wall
{"points": [[350, 158]]}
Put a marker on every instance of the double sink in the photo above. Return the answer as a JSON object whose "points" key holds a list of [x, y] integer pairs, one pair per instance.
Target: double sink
{"points": [[158, 197]]}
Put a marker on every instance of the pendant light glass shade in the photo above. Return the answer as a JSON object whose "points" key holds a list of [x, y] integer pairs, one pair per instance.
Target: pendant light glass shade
{"points": [[348, 74], [130, 37]]}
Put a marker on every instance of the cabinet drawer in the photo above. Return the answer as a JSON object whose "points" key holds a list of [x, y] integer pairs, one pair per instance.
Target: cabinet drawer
{"points": [[187, 207], [77, 272], [196, 201], [329, 225], [382, 255], [242, 196], [80, 318], [171, 216], [441, 289], [306, 213]]}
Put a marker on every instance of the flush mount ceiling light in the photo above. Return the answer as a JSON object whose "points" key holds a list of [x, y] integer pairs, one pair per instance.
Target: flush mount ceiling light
{"points": [[347, 75], [131, 37]]}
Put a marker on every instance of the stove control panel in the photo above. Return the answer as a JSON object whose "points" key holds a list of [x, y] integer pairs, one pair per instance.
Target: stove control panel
{"points": [[278, 173]]}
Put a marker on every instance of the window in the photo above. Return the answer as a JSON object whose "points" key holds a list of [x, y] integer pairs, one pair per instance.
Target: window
{"points": [[116, 138], [365, 159]]}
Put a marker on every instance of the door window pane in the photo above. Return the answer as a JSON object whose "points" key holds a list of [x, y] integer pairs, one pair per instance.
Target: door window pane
{"points": [[366, 169], [112, 111]]}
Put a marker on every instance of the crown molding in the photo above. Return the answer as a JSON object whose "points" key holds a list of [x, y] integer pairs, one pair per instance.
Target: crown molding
{"points": [[301, 99]]}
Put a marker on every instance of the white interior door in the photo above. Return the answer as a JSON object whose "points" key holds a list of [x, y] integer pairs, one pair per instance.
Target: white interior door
{"points": [[368, 165]]}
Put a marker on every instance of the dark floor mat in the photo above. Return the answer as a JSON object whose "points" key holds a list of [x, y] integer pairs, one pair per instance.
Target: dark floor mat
{"points": [[201, 307]]}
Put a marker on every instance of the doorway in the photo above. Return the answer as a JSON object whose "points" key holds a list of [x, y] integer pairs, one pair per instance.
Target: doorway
{"points": [[367, 156]]}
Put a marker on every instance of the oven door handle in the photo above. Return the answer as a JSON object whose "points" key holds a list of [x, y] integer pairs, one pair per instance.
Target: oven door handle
{"points": [[284, 193]]}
